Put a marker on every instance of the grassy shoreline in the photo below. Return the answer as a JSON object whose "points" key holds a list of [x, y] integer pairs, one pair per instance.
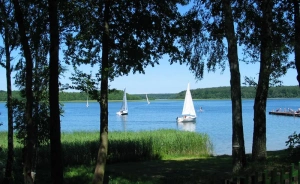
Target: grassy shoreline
{"points": [[145, 157], [80, 150]]}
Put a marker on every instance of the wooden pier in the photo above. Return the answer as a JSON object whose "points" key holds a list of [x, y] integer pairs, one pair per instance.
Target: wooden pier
{"points": [[295, 114]]}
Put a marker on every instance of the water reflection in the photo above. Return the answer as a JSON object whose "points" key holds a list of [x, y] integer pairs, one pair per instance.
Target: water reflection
{"points": [[187, 126], [124, 121]]}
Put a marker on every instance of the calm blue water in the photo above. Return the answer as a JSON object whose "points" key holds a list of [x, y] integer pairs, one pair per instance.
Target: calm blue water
{"points": [[214, 120]]}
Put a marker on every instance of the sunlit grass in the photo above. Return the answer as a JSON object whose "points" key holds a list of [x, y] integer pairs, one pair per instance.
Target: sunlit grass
{"points": [[163, 143], [3, 140], [168, 156], [82, 147], [80, 150], [135, 146]]}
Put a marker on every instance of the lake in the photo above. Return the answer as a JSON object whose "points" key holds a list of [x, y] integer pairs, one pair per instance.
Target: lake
{"points": [[214, 120]]}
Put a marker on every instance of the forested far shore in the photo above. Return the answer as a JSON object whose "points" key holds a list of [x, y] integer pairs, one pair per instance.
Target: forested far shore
{"points": [[200, 93]]}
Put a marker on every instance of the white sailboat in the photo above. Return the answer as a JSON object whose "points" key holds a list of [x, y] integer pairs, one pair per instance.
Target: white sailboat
{"points": [[87, 101], [188, 111], [147, 99], [124, 107]]}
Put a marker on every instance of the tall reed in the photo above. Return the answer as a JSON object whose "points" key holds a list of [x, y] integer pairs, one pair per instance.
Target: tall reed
{"points": [[82, 147]]}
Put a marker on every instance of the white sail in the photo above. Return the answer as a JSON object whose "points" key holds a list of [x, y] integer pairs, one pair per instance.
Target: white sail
{"points": [[188, 106], [147, 99], [124, 103], [87, 101], [124, 107]]}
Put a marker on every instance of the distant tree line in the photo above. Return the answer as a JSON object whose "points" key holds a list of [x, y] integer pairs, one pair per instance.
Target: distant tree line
{"points": [[78, 96], [203, 93], [246, 92]]}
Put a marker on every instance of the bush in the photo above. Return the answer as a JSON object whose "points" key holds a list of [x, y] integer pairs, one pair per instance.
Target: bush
{"points": [[293, 144]]}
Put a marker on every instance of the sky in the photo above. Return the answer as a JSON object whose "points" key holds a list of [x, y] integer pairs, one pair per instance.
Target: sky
{"points": [[166, 78]]}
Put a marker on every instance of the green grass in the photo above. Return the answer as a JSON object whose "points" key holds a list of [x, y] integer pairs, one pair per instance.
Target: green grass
{"points": [[80, 150], [146, 157]]}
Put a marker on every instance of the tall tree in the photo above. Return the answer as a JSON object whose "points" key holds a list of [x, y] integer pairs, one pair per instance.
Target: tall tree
{"points": [[217, 25], [238, 144], [140, 33], [264, 31], [36, 21], [297, 37], [10, 37], [55, 141], [259, 150], [102, 153], [30, 141]]}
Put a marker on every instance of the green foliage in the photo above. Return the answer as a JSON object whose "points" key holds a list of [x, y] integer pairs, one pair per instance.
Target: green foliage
{"points": [[72, 96], [147, 145], [293, 141], [153, 96], [2, 166], [3, 95], [282, 41], [82, 147], [1, 125], [293, 144], [40, 116], [40, 111], [134, 146], [140, 34], [158, 171]]}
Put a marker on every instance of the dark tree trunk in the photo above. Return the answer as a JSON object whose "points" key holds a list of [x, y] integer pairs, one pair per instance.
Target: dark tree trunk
{"points": [[238, 145], [102, 153], [29, 144], [297, 37], [10, 136], [54, 124], [259, 150]]}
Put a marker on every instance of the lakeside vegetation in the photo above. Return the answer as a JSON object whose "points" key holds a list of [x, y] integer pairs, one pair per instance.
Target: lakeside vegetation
{"points": [[80, 150], [146, 157], [200, 93]]}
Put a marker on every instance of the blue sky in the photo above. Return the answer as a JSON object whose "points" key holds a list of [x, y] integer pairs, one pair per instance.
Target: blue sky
{"points": [[166, 78]]}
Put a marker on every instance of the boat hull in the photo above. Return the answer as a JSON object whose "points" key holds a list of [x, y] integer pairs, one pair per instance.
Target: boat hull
{"points": [[186, 119], [122, 113], [286, 114]]}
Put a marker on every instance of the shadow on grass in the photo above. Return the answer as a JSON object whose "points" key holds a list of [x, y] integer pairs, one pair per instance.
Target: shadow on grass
{"points": [[81, 157], [134, 162], [202, 170], [179, 170]]}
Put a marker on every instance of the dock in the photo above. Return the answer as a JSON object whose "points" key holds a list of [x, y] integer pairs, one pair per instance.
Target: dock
{"points": [[295, 114]]}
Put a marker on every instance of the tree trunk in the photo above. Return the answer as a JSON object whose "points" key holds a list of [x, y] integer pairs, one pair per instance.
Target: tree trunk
{"points": [[29, 144], [10, 136], [54, 124], [102, 153], [238, 145], [259, 150], [297, 37]]}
